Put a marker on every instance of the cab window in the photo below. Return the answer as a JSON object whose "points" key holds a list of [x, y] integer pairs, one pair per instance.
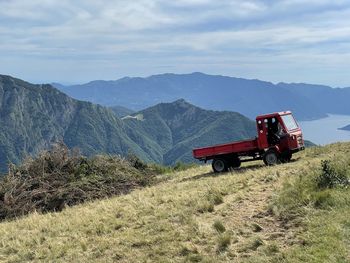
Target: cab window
{"points": [[289, 122]]}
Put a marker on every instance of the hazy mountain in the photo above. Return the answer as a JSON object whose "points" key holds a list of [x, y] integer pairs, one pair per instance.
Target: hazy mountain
{"points": [[346, 128], [34, 116], [330, 100], [170, 131], [308, 143], [58, 85], [249, 97]]}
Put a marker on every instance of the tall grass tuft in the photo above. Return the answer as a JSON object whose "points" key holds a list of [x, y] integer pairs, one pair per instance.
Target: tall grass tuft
{"points": [[219, 226], [224, 240]]}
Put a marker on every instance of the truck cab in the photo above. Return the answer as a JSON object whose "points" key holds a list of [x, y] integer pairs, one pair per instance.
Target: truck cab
{"points": [[279, 133]]}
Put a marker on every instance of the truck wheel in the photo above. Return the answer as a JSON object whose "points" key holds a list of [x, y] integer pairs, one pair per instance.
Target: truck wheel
{"points": [[286, 157], [235, 162], [219, 165], [271, 158]]}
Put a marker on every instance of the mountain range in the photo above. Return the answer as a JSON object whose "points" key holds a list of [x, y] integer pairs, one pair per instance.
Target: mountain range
{"points": [[249, 97], [32, 117], [346, 128]]}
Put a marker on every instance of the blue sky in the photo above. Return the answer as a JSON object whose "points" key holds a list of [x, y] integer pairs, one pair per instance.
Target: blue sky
{"points": [[82, 40]]}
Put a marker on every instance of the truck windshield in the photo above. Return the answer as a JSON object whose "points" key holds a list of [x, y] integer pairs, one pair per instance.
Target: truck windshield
{"points": [[289, 122]]}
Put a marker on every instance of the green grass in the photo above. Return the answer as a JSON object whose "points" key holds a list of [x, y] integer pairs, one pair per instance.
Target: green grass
{"points": [[320, 200], [255, 214]]}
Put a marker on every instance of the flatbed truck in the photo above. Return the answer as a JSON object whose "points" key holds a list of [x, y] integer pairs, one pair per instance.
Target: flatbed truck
{"points": [[279, 136]]}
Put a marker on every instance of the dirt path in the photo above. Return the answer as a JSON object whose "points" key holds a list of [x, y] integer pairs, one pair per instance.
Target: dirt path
{"points": [[247, 215]]}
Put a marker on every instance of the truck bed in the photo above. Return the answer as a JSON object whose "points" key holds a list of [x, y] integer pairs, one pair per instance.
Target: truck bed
{"points": [[227, 148]]}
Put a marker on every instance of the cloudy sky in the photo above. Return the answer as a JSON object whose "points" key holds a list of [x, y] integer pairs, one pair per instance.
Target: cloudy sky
{"points": [[81, 40]]}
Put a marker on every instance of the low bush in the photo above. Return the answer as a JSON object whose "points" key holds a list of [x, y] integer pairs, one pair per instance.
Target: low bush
{"points": [[61, 177], [334, 173]]}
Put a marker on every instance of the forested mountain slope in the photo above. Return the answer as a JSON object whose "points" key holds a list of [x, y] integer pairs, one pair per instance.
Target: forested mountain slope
{"points": [[172, 130]]}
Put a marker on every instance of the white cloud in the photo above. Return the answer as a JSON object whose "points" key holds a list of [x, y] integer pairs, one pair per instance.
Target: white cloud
{"points": [[143, 36]]}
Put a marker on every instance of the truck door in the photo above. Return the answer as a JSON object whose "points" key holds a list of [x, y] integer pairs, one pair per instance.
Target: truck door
{"points": [[268, 129], [262, 133]]}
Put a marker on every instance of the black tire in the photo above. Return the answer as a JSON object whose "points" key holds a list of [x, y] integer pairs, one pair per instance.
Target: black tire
{"points": [[219, 165], [235, 162], [271, 158], [286, 157]]}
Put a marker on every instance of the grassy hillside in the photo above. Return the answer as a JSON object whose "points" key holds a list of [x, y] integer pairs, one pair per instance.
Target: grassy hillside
{"points": [[295, 212]]}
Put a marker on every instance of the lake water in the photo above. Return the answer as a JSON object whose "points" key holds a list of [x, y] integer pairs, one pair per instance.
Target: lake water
{"points": [[324, 131]]}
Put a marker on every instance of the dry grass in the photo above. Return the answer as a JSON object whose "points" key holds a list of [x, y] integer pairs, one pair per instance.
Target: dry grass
{"points": [[174, 221]]}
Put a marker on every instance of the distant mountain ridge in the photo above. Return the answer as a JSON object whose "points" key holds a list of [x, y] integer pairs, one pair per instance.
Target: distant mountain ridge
{"points": [[249, 97], [345, 128], [34, 116]]}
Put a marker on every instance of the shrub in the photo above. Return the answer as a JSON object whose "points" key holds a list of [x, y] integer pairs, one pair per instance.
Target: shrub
{"points": [[333, 174], [136, 162], [61, 177]]}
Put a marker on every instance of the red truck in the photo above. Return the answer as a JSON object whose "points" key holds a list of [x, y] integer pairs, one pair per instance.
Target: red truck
{"points": [[279, 136]]}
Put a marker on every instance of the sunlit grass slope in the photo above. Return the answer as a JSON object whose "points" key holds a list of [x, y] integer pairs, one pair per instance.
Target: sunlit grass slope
{"points": [[254, 214]]}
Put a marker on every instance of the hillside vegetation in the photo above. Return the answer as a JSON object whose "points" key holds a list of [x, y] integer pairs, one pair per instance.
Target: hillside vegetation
{"points": [[295, 212]]}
